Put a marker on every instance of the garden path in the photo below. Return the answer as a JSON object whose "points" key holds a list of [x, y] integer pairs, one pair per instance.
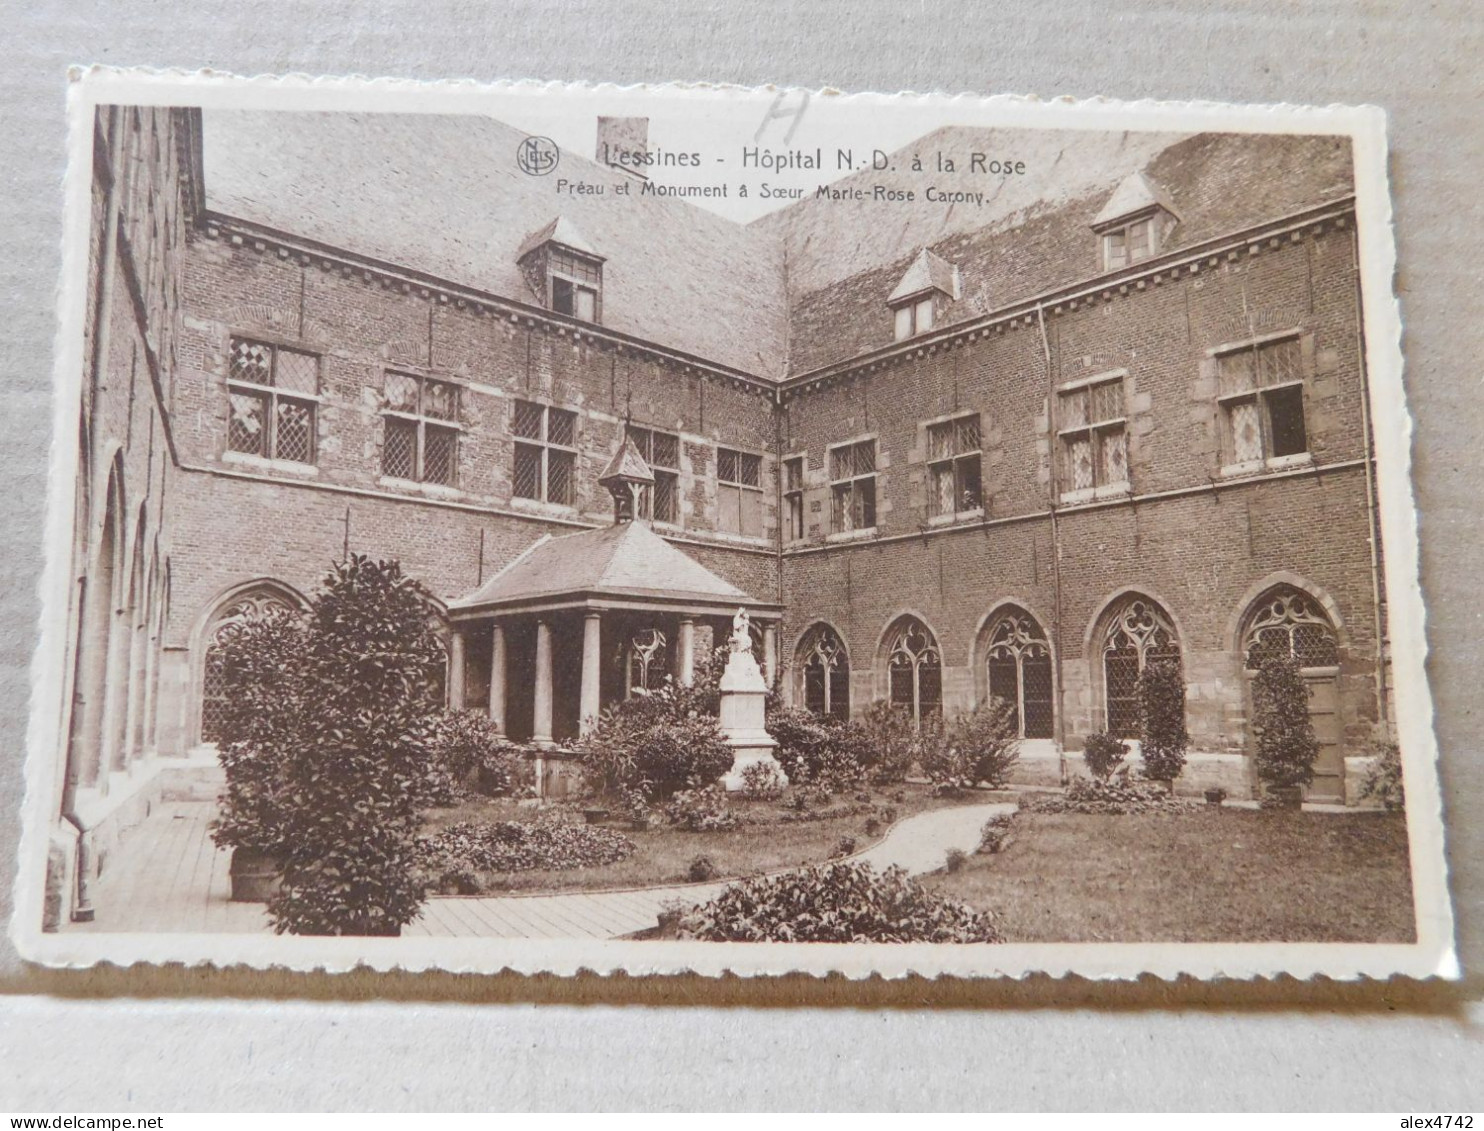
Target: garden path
{"points": [[167, 876]]}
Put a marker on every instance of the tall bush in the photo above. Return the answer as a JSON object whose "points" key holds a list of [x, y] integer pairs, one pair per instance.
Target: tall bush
{"points": [[818, 751], [894, 743], [1163, 738], [1286, 744], [261, 716], [1103, 754], [354, 772]]}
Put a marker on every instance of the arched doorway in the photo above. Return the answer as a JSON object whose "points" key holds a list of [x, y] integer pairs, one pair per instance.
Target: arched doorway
{"points": [[824, 668], [1136, 632], [915, 669], [1018, 670], [1286, 621], [243, 607]]}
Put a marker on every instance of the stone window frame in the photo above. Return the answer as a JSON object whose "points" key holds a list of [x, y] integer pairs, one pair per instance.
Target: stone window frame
{"points": [[271, 395], [822, 659], [749, 495], [1155, 636], [565, 452], [953, 461], [1097, 432], [666, 474], [846, 486], [1014, 640], [905, 659], [421, 420], [795, 519], [1261, 395]]}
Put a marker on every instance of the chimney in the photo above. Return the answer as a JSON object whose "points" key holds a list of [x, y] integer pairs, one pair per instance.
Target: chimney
{"points": [[623, 144]]}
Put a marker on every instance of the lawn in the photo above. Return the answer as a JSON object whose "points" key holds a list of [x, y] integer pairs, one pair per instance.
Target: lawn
{"points": [[663, 855], [1207, 875]]}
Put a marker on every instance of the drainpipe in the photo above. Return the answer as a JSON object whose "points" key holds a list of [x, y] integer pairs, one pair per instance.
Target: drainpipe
{"points": [[1060, 725], [82, 910], [1370, 489]]}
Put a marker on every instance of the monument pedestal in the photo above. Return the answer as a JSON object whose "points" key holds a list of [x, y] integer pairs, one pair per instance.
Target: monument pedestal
{"points": [[743, 697]]}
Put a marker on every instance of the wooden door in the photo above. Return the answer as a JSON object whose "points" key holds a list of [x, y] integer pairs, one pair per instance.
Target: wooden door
{"points": [[1324, 713]]}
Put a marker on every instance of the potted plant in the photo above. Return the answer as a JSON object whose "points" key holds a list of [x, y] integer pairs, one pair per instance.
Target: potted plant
{"points": [[1286, 744]]}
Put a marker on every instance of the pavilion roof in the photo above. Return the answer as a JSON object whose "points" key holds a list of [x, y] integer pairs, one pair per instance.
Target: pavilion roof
{"points": [[627, 560]]}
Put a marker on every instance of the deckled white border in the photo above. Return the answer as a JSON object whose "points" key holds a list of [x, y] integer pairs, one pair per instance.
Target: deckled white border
{"points": [[1431, 956]]}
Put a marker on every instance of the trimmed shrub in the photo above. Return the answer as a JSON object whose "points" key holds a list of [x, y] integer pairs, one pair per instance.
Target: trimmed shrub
{"points": [[845, 846], [656, 743], [981, 745], [762, 781], [1103, 754], [1286, 744], [701, 810], [955, 859], [841, 902], [262, 714], [995, 833], [820, 751], [1163, 738], [450, 857], [701, 869], [358, 754], [1121, 793], [1383, 780]]}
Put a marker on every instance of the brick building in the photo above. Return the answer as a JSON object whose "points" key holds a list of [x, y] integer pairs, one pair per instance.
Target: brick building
{"points": [[1013, 447]]}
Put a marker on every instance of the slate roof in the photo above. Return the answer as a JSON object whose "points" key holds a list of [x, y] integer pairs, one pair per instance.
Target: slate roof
{"points": [[1133, 194], [561, 231], [627, 559], [442, 194], [798, 289], [928, 272]]}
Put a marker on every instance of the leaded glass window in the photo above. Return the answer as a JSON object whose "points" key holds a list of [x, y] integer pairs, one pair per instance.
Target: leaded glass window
{"points": [[793, 498], [420, 429], [826, 670], [272, 393], [853, 486], [1093, 433], [954, 466], [545, 458], [661, 450], [1019, 670], [648, 661], [1288, 622], [1138, 633], [1261, 391], [915, 670]]}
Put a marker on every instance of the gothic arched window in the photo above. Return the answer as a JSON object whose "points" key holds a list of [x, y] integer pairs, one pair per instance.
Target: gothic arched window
{"points": [[915, 668], [1288, 622], [243, 609], [1019, 662], [826, 669], [648, 661], [1138, 632]]}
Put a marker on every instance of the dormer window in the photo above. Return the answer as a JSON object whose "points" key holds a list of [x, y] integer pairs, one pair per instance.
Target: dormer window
{"points": [[930, 283], [564, 271], [1134, 224], [575, 284]]}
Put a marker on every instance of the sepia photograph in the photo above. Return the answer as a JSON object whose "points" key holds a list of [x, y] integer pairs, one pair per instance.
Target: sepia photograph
{"points": [[560, 527]]}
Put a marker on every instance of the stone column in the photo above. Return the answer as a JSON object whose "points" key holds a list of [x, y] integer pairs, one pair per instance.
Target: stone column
{"points": [[685, 652], [541, 727], [592, 672], [770, 652], [497, 675], [456, 670]]}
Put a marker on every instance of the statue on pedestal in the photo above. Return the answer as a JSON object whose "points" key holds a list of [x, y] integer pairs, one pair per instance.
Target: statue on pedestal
{"points": [[743, 696]]}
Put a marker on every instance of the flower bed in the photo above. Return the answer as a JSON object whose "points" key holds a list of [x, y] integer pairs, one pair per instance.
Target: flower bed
{"points": [[454, 857]]}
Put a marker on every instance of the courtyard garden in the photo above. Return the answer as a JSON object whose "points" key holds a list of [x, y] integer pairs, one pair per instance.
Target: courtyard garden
{"points": [[1198, 874], [358, 796]]}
